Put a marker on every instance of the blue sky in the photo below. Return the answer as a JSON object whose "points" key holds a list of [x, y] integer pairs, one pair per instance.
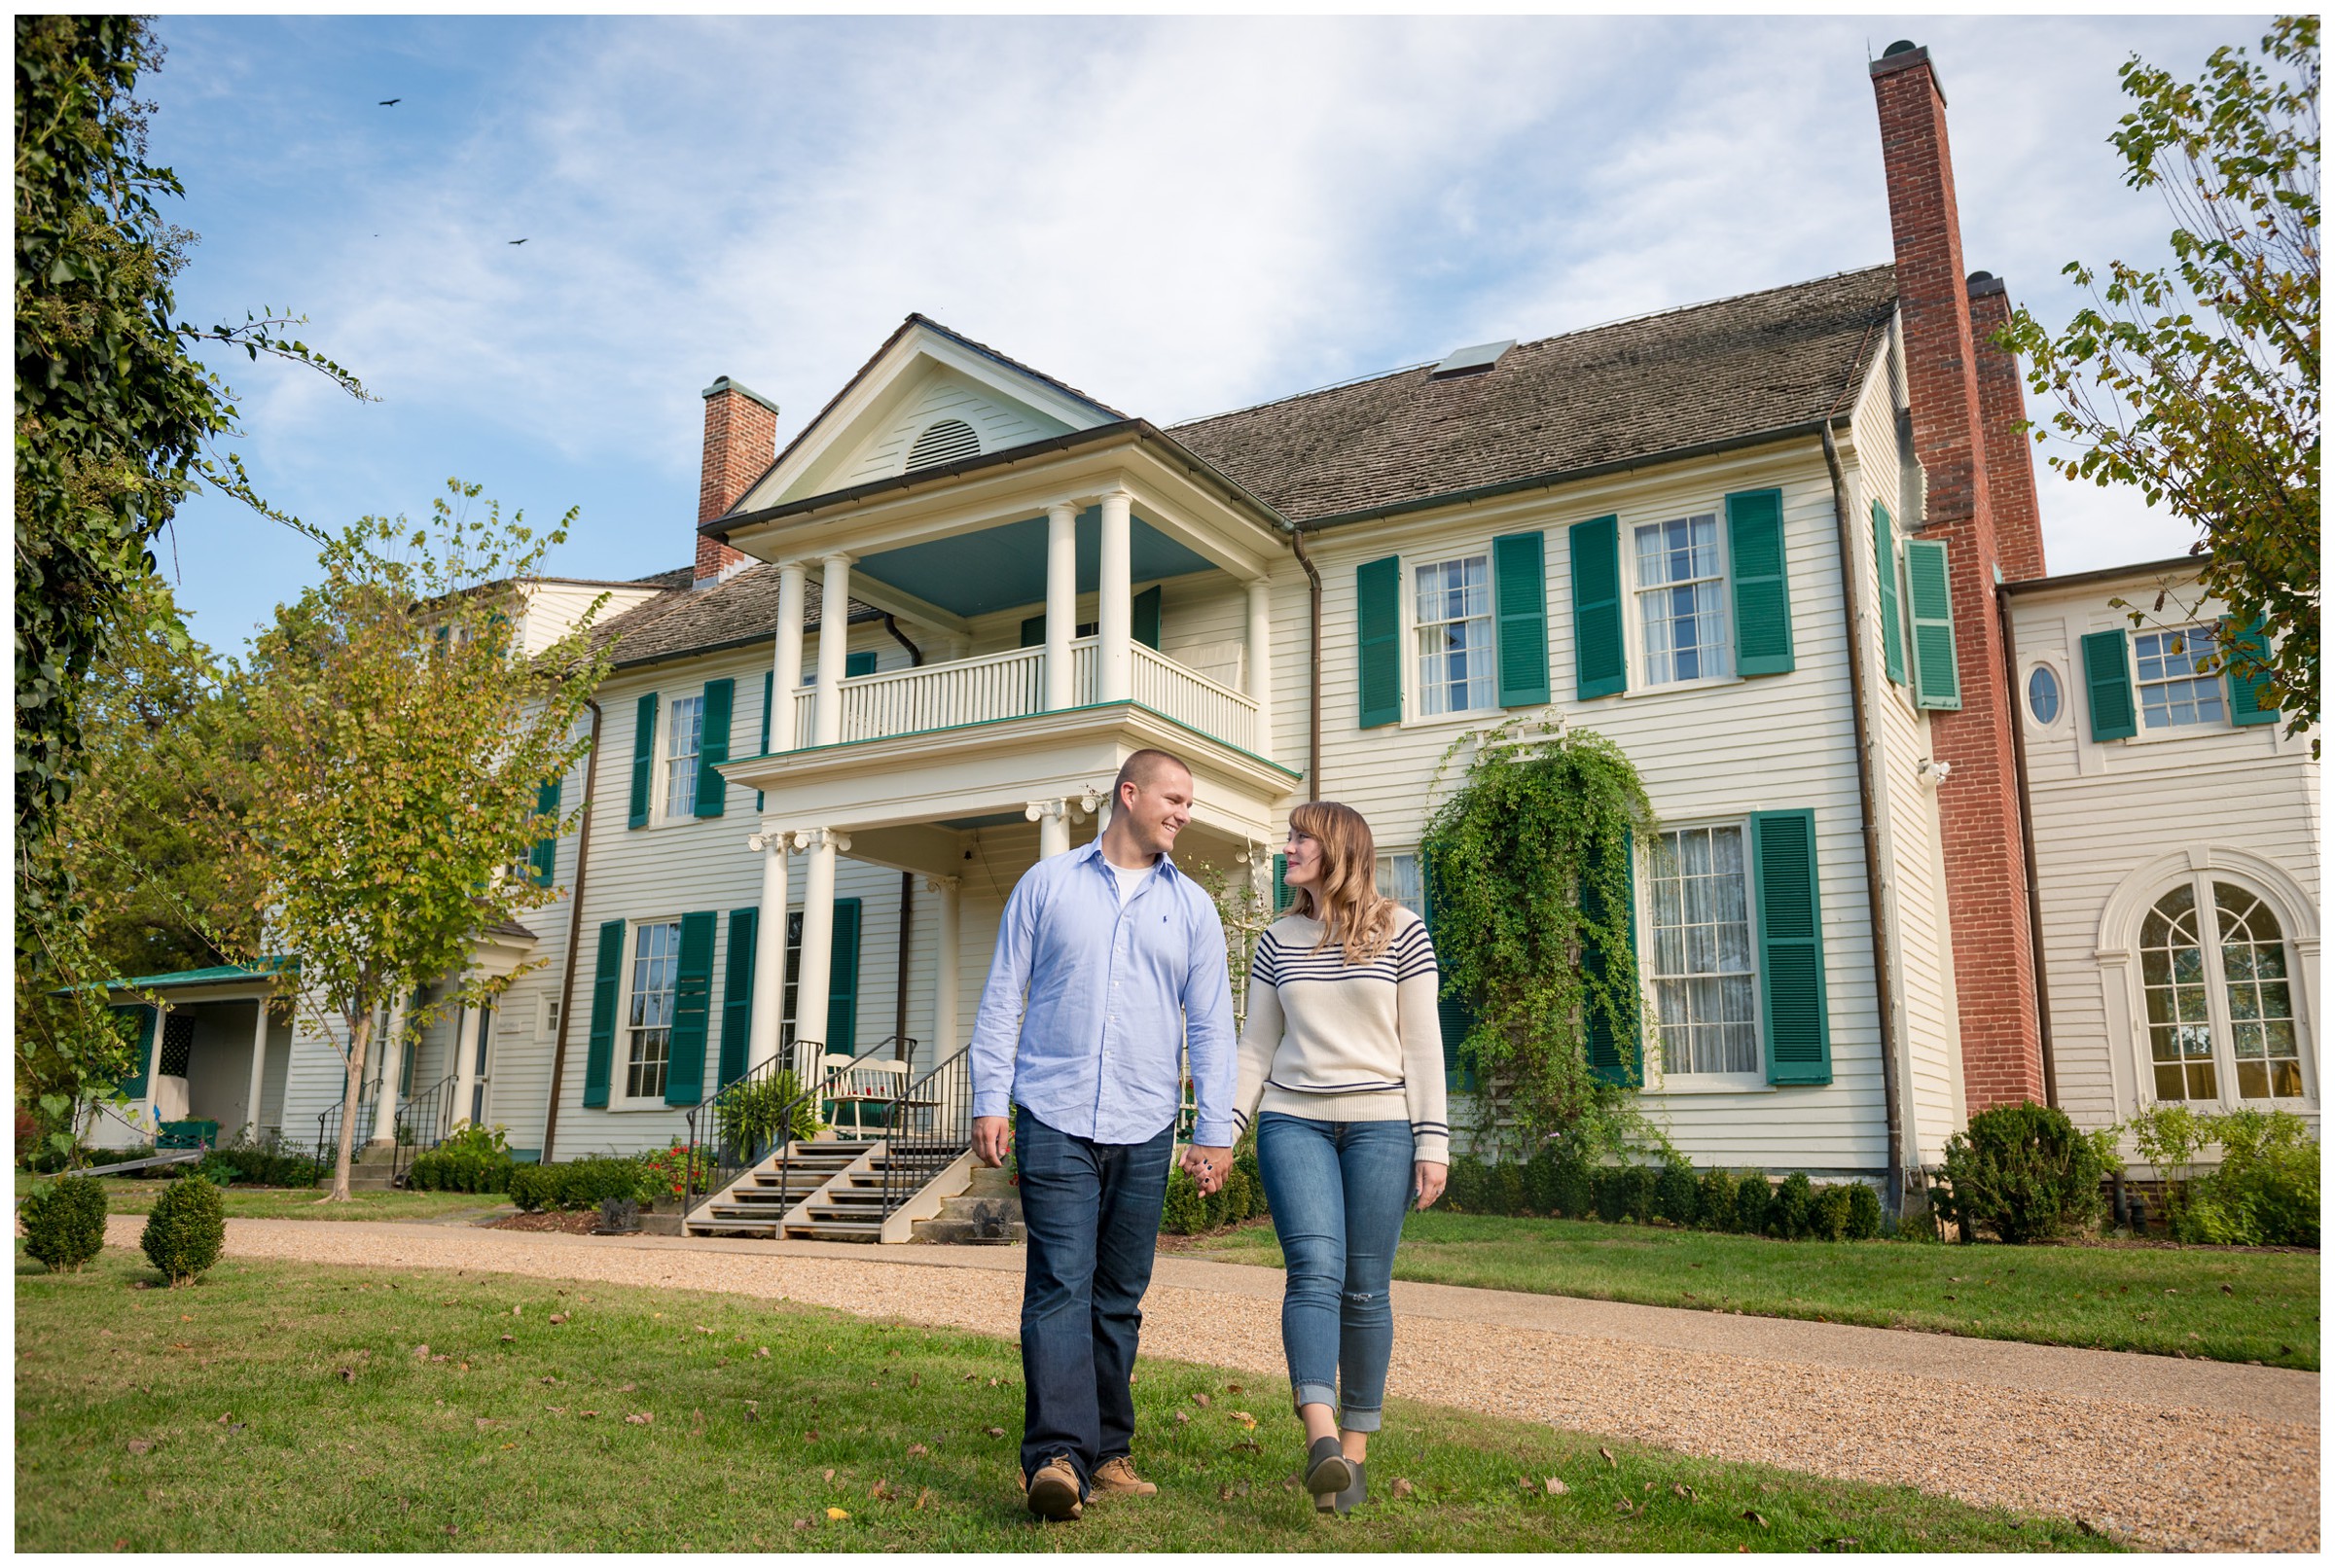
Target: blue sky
{"points": [[1177, 215]]}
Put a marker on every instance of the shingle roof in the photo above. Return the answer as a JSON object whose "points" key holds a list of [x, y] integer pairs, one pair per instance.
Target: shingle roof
{"points": [[742, 608], [1694, 377]]}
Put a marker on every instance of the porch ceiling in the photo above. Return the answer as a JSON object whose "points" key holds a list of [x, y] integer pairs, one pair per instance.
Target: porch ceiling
{"points": [[999, 568]]}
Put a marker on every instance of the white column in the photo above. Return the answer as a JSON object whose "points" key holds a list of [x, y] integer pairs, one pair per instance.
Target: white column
{"points": [[1062, 602], [815, 974], [943, 969], [392, 1057], [787, 670], [835, 636], [1115, 620], [153, 1062], [259, 1074], [466, 1068], [764, 1025], [1260, 663], [1053, 818]]}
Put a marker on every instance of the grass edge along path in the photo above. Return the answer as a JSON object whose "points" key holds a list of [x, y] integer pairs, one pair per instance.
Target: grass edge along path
{"points": [[132, 1196], [2222, 1304], [293, 1407]]}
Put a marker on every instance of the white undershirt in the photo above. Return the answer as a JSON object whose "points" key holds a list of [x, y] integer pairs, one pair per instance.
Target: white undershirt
{"points": [[1129, 879]]}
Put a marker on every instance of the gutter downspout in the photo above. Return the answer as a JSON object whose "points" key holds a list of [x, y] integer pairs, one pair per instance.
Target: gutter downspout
{"points": [[575, 933], [1885, 990], [1297, 542], [2027, 842]]}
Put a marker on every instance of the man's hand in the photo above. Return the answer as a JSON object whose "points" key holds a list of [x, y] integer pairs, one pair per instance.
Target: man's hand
{"points": [[992, 1136], [1207, 1167], [1428, 1179]]}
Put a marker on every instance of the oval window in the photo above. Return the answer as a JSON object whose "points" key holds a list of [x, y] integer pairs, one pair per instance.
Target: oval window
{"points": [[2043, 694]]}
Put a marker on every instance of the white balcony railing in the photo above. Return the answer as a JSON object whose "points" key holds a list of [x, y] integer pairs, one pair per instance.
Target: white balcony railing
{"points": [[1011, 686]]}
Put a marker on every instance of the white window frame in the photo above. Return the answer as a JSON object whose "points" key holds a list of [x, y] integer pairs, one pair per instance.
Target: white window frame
{"points": [[662, 784], [2026, 709], [2218, 997], [1659, 1078], [1386, 865], [1414, 693], [2146, 733], [1634, 616], [620, 1093]]}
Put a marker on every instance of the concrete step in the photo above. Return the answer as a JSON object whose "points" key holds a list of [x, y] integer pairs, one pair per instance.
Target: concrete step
{"points": [[947, 1232], [973, 1217]]}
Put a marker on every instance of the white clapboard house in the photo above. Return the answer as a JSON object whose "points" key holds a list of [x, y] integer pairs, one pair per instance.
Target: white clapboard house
{"points": [[1783, 548]]}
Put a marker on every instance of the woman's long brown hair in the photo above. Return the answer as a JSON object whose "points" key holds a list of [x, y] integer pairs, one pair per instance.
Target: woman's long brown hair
{"points": [[1346, 886]]}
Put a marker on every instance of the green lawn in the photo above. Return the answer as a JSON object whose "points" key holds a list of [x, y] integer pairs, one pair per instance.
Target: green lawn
{"points": [[281, 1407], [2198, 1302], [301, 1202]]}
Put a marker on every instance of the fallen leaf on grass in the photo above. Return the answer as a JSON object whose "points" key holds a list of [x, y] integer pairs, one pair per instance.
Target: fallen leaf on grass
{"points": [[1753, 1515], [972, 1378], [229, 1416], [1246, 1445], [1245, 1418], [627, 1388], [1401, 1487], [642, 1418], [837, 1514], [482, 1422], [882, 1492], [1555, 1487], [994, 1430], [1623, 1506], [923, 1496], [917, 1451], [802, 1525], [828, 1477], [140, 1445], [1232, 1388], [558, 1318], [1200, 1400], [1607, 1454], [813, 1436], [508, 1338], [1183, 1418], [588, 1414], [557, 1410], [1685, 1491], [2226, 1290]]}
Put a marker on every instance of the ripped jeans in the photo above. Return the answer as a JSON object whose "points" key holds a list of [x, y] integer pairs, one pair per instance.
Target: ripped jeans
{"points": [[1339, 1191]]}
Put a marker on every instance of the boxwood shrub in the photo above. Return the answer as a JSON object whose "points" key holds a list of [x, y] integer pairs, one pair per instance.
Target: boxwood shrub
{"points": [[581, 1184], [64, 1222], [185, 1229]]}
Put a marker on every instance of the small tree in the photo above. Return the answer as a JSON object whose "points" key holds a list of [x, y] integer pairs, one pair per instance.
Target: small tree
{"points": [[2199, 384], [401, 737]]}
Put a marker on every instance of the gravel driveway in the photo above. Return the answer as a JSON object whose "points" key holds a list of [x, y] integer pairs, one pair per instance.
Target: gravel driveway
{"points": [[2161, 1473]]}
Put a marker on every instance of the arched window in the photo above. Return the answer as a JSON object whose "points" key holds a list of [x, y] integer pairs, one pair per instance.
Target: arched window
{"points": [[944, 440], [2220, 1001]]}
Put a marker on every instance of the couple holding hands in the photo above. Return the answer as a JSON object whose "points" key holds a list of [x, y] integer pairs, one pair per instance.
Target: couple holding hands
{"points": [[1110, 964]]}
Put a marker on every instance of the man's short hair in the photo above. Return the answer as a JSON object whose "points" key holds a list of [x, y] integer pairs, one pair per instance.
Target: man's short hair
{"points": [[1143, 767]]}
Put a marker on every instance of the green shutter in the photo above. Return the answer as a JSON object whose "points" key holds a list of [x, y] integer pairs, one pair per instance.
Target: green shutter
{"points": [[1614, 1032], [859, 662], [644, 758], [1520, 589], [133, 1087], [1763, 594], [843, 980], [606, 975], [1884, 567], [543, 859], [2250, 698], [713, 749], [738, 995], [2109, 681], [1033, 632], [1929, 596], [1280, 884], [1379, 651], [1600, 664], [1791, 946], [1454, 1014], [770, 684], [693, 1003], [1146, 624]]}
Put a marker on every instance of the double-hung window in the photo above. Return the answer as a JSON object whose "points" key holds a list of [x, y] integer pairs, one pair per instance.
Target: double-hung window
{"points": [[1451, 625], [649, 1023], [1398, 879], [1682, 601], [1704, 968], [683, 738], [2172, 690]]}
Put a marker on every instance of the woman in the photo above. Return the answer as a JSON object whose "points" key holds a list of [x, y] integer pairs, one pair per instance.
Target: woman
{"points": [[1343, 1055]]}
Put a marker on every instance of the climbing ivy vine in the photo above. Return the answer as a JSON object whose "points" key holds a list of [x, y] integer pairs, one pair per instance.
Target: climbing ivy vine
{"points": [[1528, 866]]}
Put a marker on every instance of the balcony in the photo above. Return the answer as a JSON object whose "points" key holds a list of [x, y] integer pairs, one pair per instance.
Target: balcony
{"points": [[1012, 685]]}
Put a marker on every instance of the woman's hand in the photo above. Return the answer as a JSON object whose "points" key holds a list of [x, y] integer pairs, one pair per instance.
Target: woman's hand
{"points": [[1428, 1179]]}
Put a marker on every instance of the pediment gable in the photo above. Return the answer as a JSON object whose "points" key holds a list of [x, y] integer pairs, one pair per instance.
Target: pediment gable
{"points": [[960, 398]]}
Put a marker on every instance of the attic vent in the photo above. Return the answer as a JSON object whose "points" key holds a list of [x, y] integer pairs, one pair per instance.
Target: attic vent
{"points": [[1469, 361], [945, 441]]}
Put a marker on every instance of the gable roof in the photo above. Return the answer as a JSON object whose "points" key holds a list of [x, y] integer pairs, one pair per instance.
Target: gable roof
{"points": [[740, 609], [1662, 386]]}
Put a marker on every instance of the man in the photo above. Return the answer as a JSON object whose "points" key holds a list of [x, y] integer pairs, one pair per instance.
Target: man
{"points": [[1108, 961]]}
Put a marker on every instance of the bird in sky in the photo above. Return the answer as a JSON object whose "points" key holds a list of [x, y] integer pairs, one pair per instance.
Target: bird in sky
{"points": [[513, 242], [387, 102]]}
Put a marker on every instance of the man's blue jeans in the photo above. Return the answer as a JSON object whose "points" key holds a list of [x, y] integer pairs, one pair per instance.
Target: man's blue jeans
{"points": [[1339, 1191], [1092, 1212]]}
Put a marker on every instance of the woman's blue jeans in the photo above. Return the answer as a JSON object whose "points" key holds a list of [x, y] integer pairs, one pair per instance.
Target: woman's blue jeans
{"points": [[1339, 1191]]}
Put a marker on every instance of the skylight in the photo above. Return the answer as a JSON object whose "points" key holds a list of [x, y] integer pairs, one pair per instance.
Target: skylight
{"points": [[1469, 361]]}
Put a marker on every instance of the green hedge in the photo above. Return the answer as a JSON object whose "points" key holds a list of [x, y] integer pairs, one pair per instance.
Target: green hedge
{"points": [[1568, 1186], [64, 1222], [2023, 1174], [582, 1183], [1241, 1196]]}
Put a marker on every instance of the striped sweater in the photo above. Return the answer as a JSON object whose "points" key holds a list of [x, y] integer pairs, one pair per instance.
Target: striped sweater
{"points": [[1341, 1041]]}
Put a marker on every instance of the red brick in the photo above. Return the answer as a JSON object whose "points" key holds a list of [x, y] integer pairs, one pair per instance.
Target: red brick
{"points": [[742, 438]]}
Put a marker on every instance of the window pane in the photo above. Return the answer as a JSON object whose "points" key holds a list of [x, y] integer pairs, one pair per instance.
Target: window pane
{"points": [[1705, 981], [1681, 599], [681, 756], [2043, 694], [2173, 972], [2172, 690], [1453, 617]]}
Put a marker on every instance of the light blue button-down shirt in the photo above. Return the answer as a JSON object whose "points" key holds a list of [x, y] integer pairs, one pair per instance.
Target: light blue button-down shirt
{"points": [[1089, 1003]]}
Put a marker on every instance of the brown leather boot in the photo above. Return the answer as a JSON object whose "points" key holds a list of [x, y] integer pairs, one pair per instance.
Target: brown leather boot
{"points": [[1054, 1490], [1117, 1478]]}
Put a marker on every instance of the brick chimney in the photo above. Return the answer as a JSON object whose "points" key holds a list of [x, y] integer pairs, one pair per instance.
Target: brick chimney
{"points": [[742, 437], [2010, 455], [1978, 802]]}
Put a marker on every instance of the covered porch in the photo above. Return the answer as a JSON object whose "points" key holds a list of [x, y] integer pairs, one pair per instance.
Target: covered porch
{"points": [[212, 1057]]}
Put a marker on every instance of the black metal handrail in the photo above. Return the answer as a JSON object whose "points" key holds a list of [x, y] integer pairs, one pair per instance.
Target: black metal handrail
{"points": [[931, 1127], [735, 1129], [424, 1121], [328, 1134]]}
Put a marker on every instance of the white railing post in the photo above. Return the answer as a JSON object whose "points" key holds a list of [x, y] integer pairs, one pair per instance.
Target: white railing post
{"points": [[786, 669], [1115, 618], [834, 634], [1259, 663], [764, 1026], [1061, 601]]}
